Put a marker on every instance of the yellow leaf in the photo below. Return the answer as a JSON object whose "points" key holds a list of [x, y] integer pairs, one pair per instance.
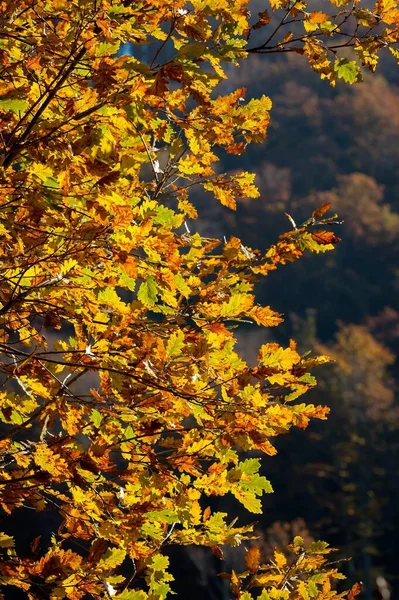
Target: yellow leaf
{"points": [[49, 461], [112, 558], [6, 541], [272, 355], [264, 315], [175, 344], [280, 559]]}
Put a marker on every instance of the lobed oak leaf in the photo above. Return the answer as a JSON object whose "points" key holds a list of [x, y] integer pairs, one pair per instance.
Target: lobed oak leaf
{"points": [[160, 85], [355, 590], [264, 315], [303, 590], [148, 292], [280, 560], [235, 583], [318, 17], [6, 541], [252, 559], [319, 212], [97, 550], [173, 71], [112, 558], [324, 237], [264, 19], [348, 70]]}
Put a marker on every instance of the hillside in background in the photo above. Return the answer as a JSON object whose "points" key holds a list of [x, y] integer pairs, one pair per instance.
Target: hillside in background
{"points": [[341, 146]]}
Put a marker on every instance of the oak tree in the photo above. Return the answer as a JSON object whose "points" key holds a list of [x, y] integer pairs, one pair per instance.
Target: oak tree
{"points": [[124, 404]]}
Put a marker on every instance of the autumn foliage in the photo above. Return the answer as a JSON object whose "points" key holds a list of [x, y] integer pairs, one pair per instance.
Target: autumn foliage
{"points": [[124, 404]]}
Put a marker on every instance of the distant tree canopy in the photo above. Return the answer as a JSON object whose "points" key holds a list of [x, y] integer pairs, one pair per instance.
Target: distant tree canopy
{"points": [[123, 402]]}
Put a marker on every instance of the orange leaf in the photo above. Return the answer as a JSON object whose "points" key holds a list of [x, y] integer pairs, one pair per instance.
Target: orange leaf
{"points": [[264, 315], [325, 237], [206, 514], [355, 590], [319, 212], [252, 559], [318, 17]]}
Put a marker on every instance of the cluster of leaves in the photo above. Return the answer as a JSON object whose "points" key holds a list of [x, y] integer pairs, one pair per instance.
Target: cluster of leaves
{"points": [[123, 401], [282, 578], [337, 41]]}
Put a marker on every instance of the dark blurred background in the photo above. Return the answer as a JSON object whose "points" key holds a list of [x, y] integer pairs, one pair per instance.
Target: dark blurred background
{"points": [[338, 480]]}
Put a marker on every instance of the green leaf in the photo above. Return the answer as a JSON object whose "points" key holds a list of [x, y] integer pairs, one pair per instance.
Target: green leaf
{"points": [[105, 48], [96, 417], [159, 563], [109, 296], [348, 70], [250, 466], [298, 542], [147, 293], [308, 378], [112, 558], [192, 50], [167, 217], [6, 541], [250, 485], [318, 547], [312, 589], [175, 344], [15, 105], [131, 595]]}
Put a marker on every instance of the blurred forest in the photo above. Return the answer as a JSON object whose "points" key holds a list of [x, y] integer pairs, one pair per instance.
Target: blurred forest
{"points": [[338, 145]]}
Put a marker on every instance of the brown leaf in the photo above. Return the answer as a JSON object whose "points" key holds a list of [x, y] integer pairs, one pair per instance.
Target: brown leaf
{"points": [[319, 212], [160, 85], [89, 465], [237, 148], [7, 412], [264, 19], [33, 62], [108, 179], [4, 58], [325, 237], [34, 546], [97, 549], [217, 551], [252, 559], [173, 71], [355, 590], [194, 33]]}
